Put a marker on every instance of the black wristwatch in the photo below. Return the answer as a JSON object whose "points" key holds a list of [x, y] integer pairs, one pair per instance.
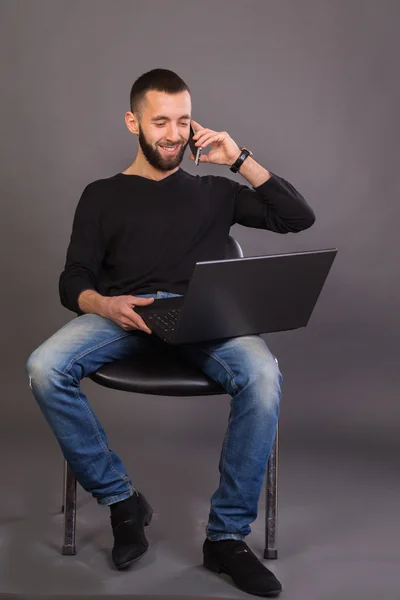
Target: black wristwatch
{"points": [[242, 157]]}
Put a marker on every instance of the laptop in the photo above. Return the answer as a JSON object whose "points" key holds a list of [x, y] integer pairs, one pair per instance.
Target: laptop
{"points": [[242, 296]]}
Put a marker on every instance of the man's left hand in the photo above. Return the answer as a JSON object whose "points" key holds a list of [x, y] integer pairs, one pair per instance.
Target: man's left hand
{"points": [[223, 150]]}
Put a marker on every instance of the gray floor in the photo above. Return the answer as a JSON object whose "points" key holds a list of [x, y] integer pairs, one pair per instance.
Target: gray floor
{"points": [[338, 532]]}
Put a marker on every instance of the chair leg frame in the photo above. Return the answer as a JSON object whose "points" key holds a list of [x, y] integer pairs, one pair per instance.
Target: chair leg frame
{"points": [[271, 503], [271, 507], [69, 509]]}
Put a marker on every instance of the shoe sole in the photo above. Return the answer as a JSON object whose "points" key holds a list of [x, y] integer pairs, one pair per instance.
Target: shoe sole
{"points": [[130, 562], [218, 569], [147, 521]]}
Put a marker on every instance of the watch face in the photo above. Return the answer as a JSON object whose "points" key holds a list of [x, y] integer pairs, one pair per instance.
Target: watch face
{"points": [[244, 148]]}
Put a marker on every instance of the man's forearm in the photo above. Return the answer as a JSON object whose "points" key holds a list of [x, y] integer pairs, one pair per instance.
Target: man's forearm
{"points": [[254, 172], [91, 301]]}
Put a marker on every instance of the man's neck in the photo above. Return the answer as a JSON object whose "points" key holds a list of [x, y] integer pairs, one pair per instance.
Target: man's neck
{"points": [[144, 169]]}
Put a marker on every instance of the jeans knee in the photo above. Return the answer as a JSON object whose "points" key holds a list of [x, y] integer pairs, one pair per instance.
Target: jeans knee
{"points": [[267, 372], [268, 379], [37, 369]]}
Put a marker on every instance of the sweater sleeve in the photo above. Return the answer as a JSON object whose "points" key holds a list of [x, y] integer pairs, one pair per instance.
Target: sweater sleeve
{"points": [[85, 251], [274, 205]]}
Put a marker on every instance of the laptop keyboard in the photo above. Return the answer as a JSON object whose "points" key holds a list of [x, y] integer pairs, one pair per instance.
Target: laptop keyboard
{"points": [[166, 320]]}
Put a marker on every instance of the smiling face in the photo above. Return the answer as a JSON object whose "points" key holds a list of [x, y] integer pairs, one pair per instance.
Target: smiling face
{"points": [[164, 124]]}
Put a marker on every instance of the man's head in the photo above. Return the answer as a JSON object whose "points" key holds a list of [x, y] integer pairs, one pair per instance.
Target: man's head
{"points": [[161, 107]]}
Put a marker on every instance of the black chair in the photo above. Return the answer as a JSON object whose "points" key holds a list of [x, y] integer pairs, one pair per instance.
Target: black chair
{"points": [[166, 375]]}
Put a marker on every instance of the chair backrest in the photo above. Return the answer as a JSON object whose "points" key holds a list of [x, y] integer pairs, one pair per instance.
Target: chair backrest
{"points": [[233, 249]]}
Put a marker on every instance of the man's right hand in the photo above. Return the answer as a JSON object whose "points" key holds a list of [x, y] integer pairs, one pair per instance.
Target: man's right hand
{"points": [[120, 309], [117, 308]]}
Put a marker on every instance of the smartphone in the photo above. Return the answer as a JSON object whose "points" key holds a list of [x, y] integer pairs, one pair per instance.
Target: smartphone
{"points": [[196, 150]]}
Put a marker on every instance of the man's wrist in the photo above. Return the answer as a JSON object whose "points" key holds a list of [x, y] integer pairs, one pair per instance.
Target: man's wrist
{"points": [[242, 155], [232, 161], [90, 301], [104, 302]]}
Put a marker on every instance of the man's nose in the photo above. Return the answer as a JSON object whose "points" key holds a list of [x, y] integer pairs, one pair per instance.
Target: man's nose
{"points": [[173, 133]]}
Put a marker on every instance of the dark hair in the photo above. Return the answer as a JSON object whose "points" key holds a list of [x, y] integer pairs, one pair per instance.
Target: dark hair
{"points": [[160, 80]]}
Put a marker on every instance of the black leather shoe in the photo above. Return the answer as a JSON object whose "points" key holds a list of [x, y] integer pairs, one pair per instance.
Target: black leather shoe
{"points": [[235, 558], [130, 542]]}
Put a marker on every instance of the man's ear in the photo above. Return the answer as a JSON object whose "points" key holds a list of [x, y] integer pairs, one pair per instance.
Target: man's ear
{"points": [[132, 123]]}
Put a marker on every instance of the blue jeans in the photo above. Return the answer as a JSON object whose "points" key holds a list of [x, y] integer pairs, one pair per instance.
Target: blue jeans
{"points": [[243, 365]]}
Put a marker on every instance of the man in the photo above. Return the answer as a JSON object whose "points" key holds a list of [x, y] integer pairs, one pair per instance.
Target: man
{"points": [[136, 236]]}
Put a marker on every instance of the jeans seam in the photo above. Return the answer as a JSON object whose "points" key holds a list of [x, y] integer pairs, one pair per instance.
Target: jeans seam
{"points": [[102, 445], [77, 394], [224, 365], [75, 358], [225, 442], [223, 455]]}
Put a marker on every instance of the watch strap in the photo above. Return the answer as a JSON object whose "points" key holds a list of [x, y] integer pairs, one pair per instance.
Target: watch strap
{"points": [[241, 158]]}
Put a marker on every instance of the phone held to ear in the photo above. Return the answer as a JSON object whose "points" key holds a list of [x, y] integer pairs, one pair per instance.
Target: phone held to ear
{"points": [[196, 150]]}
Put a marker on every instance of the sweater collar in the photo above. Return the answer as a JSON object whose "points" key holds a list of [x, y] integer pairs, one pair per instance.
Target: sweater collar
{"points": [[172, 177]]}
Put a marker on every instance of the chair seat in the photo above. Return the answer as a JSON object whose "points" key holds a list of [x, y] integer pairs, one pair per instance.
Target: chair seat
{"points": [[160, 374]]}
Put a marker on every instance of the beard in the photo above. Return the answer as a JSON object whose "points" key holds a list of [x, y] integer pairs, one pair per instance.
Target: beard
{"points": [[157, 158]]}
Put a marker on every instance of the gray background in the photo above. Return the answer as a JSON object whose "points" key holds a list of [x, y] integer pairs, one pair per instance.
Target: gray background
{"points": [[312, 88]]}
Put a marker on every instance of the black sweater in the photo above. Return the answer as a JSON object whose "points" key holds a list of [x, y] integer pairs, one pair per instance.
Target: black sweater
{"points": [[134, 235]]}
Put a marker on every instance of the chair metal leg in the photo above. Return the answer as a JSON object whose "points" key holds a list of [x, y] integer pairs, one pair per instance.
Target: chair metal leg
{"points": [[69, 546], [271, 508], [64, 485]]}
